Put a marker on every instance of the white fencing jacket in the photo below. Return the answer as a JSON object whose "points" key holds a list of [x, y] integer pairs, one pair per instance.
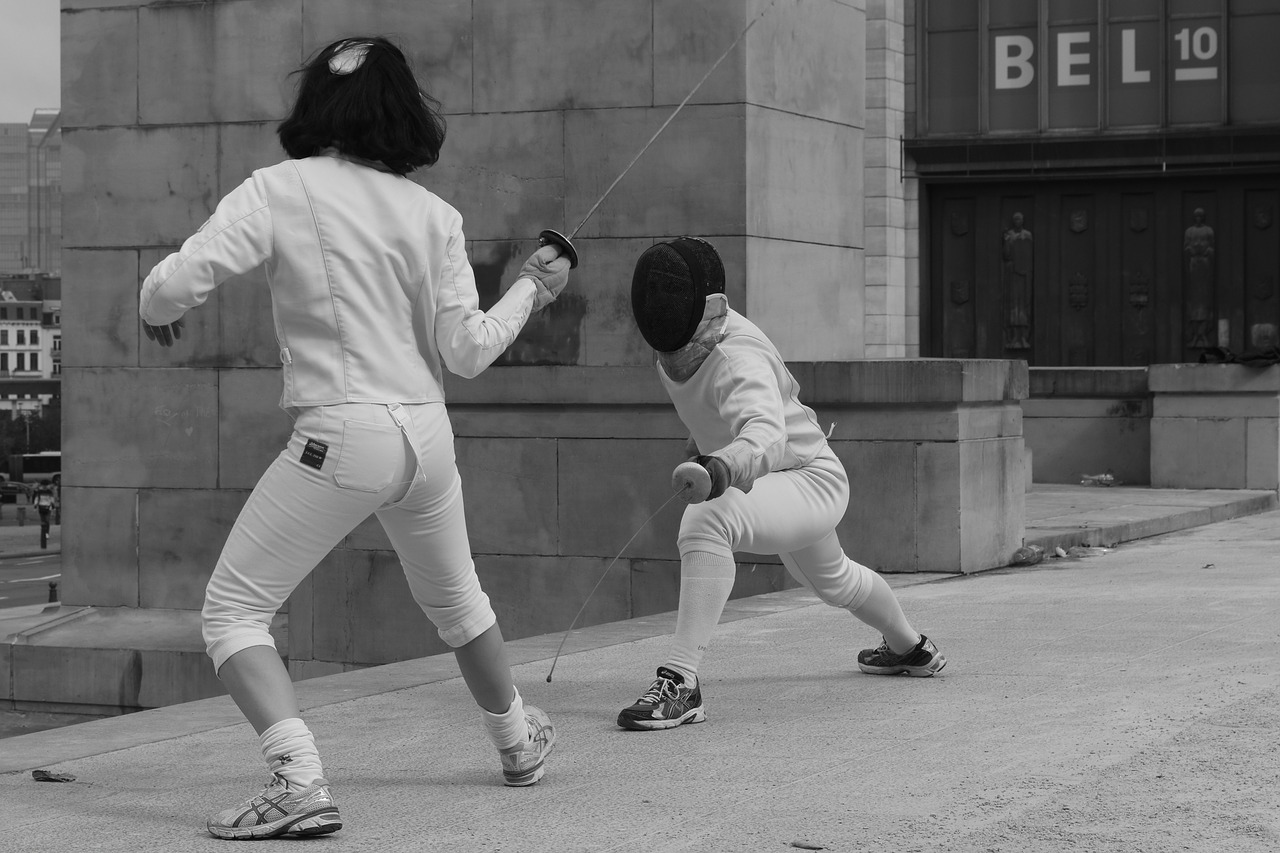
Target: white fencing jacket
{"points": [[743, 406], [370, 283]]}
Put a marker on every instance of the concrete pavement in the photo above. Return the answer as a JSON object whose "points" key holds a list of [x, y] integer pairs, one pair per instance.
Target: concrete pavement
{"points": [[1123, 701], [23, 540]]}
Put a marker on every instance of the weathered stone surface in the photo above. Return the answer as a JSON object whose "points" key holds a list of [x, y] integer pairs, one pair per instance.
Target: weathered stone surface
{"points": [[609, 489], [692, 180], [216, 62], [100, 561], [504, 172], [793, 165], [99, 67], [530, 55], [173, 565], [814, 317], [510, 490], [139, 429], [100, 308], [252, 429], [1215, 426], [137, 186]]}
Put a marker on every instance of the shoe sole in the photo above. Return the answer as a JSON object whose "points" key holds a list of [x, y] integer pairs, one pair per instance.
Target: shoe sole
{"points": [[693, 715], [320, 822], [929, 670]]}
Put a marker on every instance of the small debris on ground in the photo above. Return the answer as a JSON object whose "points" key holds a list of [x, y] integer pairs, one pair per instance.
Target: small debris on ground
{"points": [[1086, 551], [1028, 555], [807, 845], [46, 776], [1107, 479]]}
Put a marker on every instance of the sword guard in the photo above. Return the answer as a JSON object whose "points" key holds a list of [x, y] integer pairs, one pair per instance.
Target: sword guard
{"points": [[561, 242]]}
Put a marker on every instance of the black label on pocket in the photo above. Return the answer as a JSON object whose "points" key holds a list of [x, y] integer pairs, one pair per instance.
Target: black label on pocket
{"points": [[313, 454]]}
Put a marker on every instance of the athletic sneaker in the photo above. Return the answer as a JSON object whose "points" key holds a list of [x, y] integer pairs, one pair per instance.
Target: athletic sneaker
{"points": [[280, 810], [524, 765], [922, 661], [665, 705]]}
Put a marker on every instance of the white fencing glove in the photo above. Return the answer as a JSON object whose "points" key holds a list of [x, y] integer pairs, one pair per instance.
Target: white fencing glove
{"points": [[702, 479], [549, 271]]}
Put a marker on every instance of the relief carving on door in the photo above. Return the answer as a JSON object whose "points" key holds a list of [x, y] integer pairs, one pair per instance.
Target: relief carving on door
{"points": [[1198, 246], [1078, 291], [1018, 266], [1139, 289]]}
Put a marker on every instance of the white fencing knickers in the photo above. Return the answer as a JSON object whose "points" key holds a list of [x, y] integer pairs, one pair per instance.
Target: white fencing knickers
{"points": [[393, 460], [793, 514]]}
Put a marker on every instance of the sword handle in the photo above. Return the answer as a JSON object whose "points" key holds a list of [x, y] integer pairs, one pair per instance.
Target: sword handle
{"points": [[561, 242]]}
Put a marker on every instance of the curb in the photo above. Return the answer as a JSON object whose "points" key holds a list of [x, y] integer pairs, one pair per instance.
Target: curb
{"points": [[36, 553], [1110, 535]]}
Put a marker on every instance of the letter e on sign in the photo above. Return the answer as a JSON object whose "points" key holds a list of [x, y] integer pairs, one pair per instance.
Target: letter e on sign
{"points": [[1013, 62], [1068, 59]]}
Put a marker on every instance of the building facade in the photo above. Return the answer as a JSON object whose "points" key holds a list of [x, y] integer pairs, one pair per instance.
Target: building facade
{"points": [[31, 195], [30, 342], [1099, 182], [14, 193], [44, 205]]}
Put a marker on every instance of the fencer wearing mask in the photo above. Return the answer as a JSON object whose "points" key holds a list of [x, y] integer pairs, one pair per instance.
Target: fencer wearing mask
{"points": [[761, 479]]}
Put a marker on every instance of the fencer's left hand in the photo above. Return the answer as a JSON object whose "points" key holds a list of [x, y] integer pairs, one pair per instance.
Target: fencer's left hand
{"points": [[702, 479], [164, 335]]}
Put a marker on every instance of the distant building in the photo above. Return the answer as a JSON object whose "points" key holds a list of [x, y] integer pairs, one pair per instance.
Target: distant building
{"points": [[44, 199], [31, 195], [30, 342], [14, 190]]}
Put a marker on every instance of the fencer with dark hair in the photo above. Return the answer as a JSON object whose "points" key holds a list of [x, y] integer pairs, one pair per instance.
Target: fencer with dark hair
{"points": [[761, 479], [373, 296]]}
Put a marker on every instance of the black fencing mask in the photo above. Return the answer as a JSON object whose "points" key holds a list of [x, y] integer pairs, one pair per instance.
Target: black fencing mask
{"points": [[669, 290]]}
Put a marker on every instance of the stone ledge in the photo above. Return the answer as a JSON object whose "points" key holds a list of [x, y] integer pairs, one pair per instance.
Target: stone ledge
{"points": [[1214, 379], [915, 380], [1106, 382], [110, 660]]}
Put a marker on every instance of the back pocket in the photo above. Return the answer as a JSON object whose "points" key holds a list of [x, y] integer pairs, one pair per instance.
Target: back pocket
{"points": [[371, 457]]}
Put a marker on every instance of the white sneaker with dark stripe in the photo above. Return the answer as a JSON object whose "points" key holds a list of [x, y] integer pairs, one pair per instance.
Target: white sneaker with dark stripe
{"points": [[525, 764], [278, 811], [668, 703]]}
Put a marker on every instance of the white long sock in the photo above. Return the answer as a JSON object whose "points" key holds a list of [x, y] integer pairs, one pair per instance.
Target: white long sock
{"points": [[882, 611], [508, 729], [706, 580], [290, 750]]}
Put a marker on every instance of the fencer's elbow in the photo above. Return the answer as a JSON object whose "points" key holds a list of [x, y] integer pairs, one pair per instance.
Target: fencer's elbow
{"points": [[466, 369]]}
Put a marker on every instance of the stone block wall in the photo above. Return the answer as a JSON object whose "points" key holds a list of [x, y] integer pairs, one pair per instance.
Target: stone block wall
{"points": [[1080, 421], [892, 219], [1215, 426], [934, 452], [562, 466], [170, 104]]}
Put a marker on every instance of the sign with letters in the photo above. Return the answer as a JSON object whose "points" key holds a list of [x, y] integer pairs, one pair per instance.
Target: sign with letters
{"points": [[1055, 65]]}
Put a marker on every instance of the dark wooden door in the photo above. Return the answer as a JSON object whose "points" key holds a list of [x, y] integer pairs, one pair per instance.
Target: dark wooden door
{"points": [[1103, 273]]}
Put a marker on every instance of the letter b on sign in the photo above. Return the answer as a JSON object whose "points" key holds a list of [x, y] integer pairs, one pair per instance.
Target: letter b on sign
{"points": [[1013, 62]]}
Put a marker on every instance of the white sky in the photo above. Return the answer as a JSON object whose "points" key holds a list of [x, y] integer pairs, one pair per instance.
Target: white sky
{"points": [[30, 77]]}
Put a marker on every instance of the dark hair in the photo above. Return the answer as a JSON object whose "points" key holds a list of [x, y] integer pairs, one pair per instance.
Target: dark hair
{"points": [[359, 95]]}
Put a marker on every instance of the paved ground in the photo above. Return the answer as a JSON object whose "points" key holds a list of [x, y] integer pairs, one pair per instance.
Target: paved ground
{"points": [[1117, 702], [22, 540]]}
